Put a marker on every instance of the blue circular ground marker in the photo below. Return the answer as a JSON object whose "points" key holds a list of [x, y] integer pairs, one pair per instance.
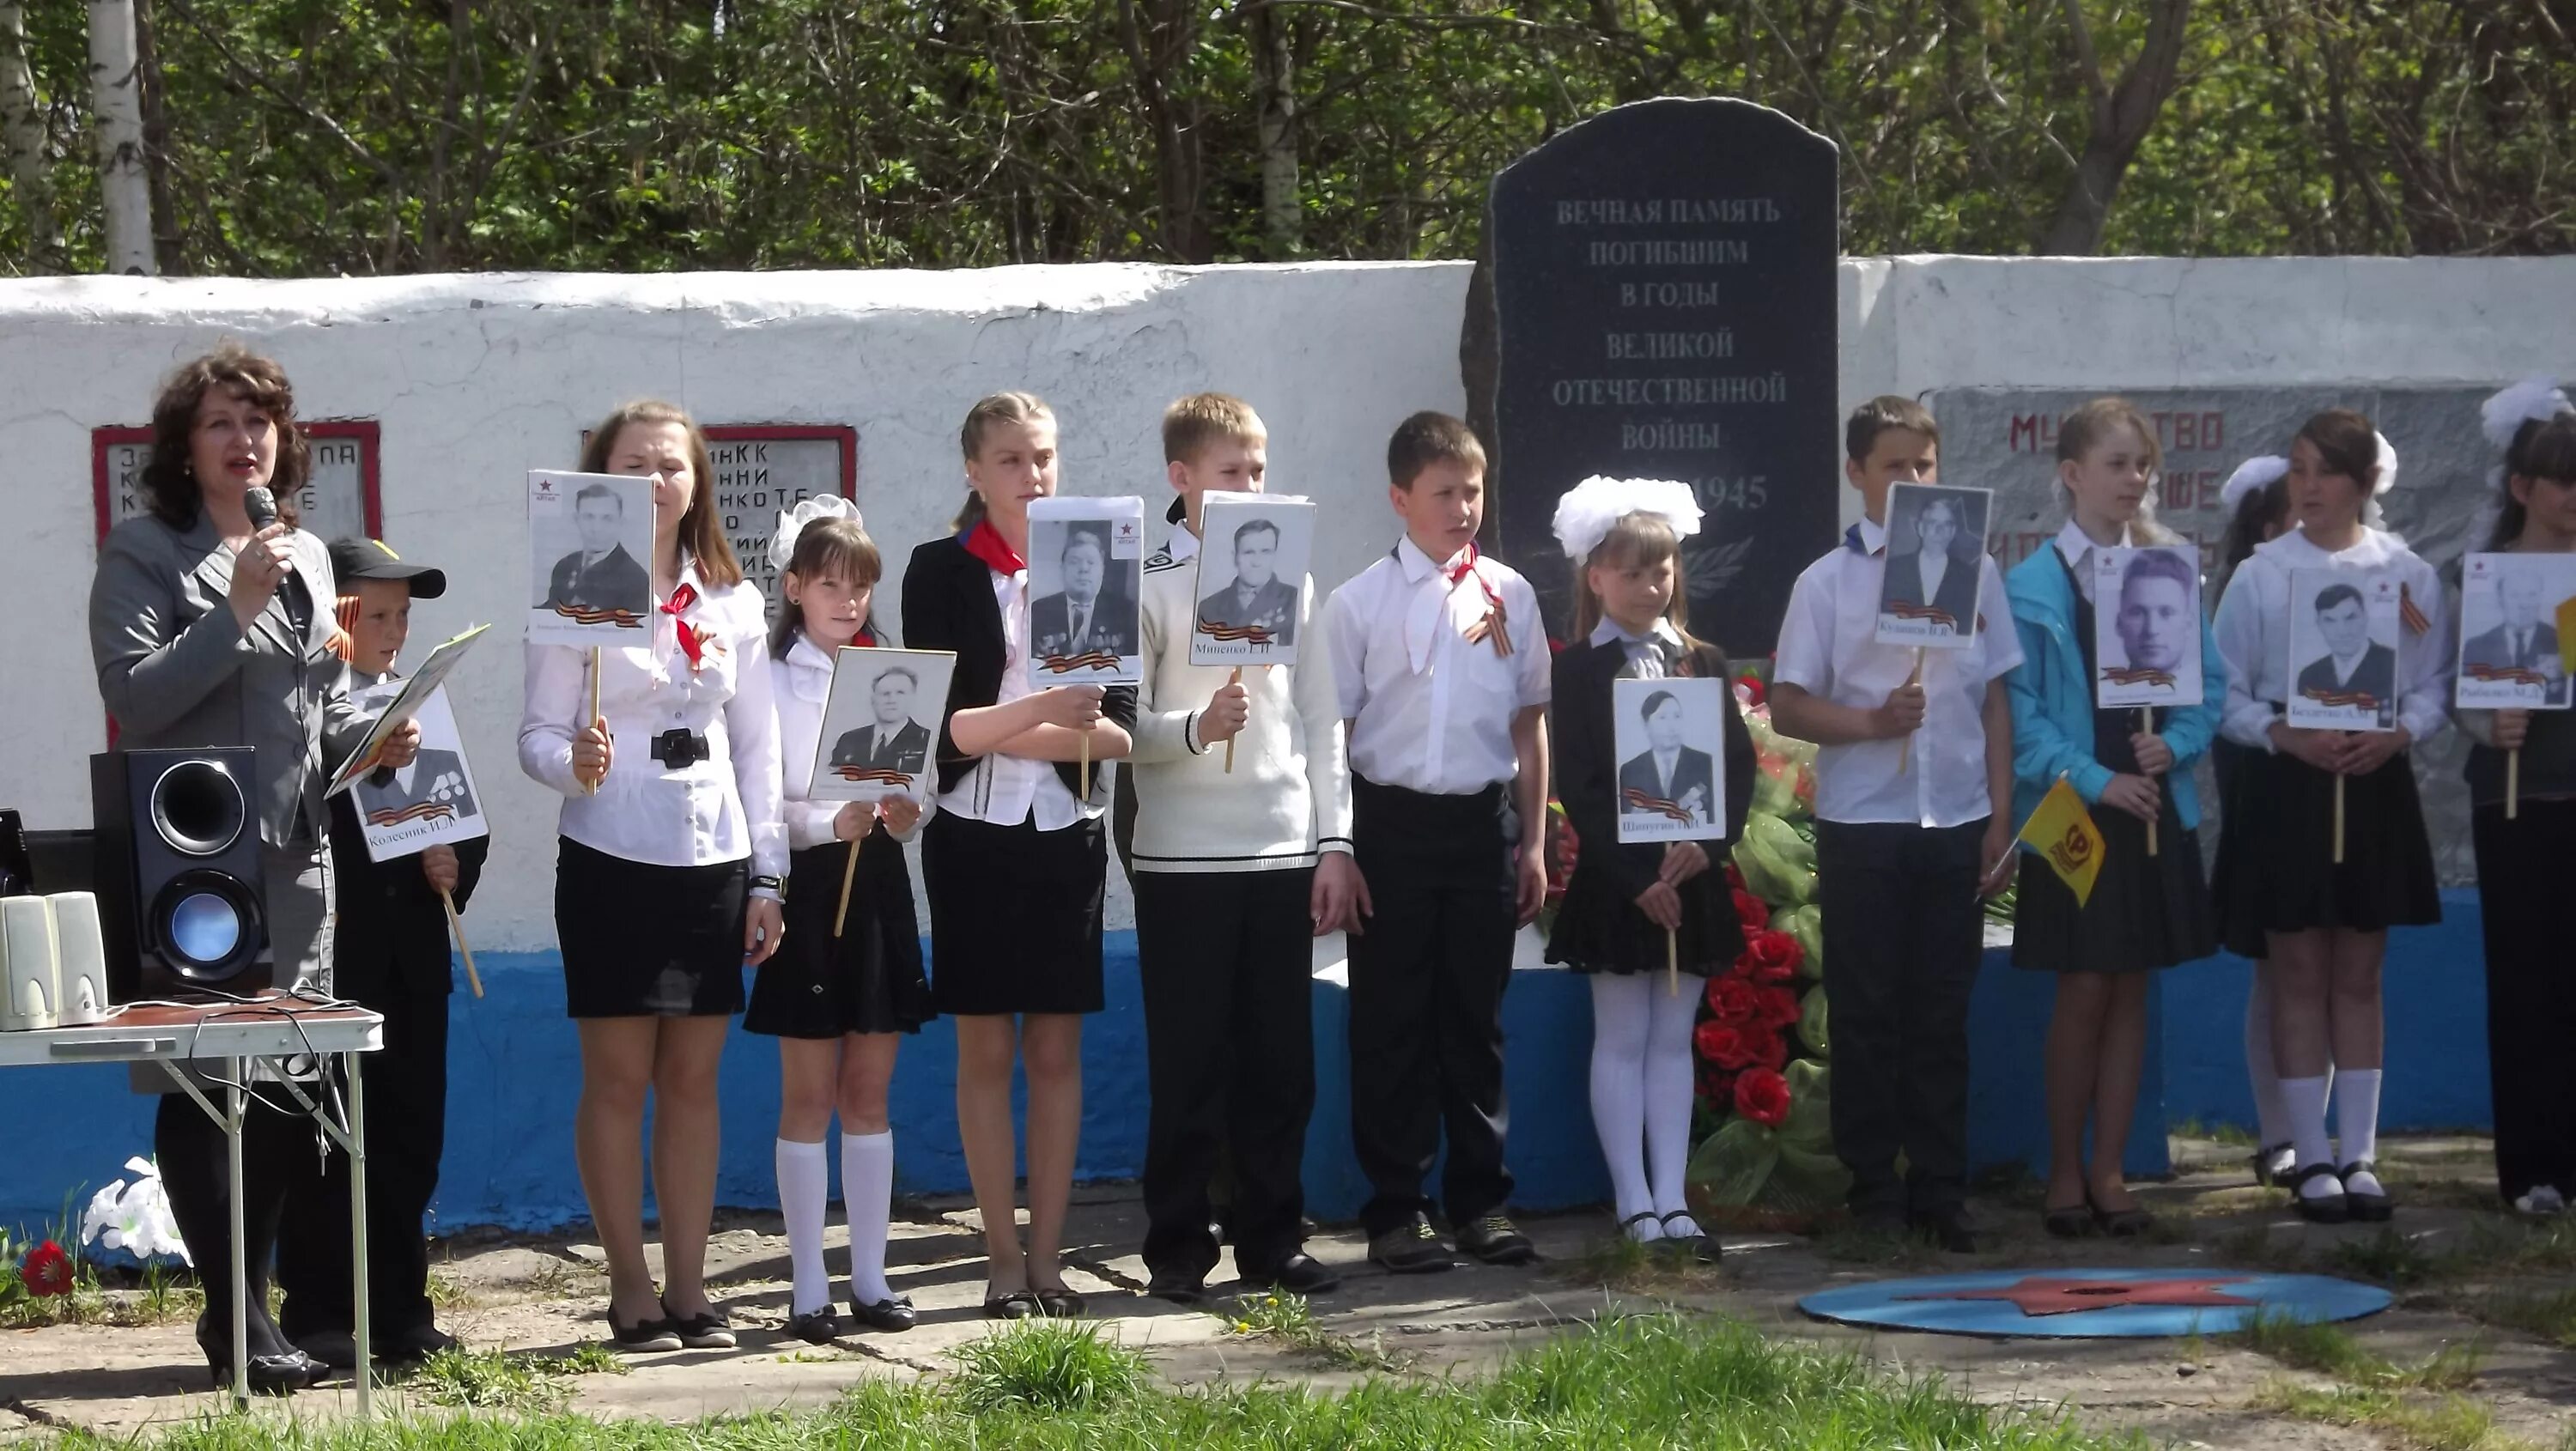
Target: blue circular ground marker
{"points": [[2085, 1303]]}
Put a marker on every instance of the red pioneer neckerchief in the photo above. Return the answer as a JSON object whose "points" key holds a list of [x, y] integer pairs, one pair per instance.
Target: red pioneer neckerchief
{"points": [[693, 641], [987, 544]]}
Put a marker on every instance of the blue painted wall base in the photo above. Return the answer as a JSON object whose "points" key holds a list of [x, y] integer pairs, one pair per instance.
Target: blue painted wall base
{"points": [[514, 1075]]}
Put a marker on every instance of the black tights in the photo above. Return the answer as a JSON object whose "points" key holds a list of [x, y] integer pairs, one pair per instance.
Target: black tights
{"points": [[198, 1179]]}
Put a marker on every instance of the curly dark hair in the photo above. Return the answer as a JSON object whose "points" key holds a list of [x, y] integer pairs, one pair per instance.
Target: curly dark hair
{"points": [[169, 485]]}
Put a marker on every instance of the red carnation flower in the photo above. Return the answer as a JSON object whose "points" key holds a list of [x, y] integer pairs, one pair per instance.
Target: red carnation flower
{"points": [[1734, 878], [1770, 957], [1752, 684], [1762, 1096], [1717, 1090], [1752, 912], [1735, 1001], [1780, 1008], [46, 1270], [1732, 1047]]}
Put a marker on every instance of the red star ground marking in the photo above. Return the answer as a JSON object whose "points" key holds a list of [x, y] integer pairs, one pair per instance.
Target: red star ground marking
{"points": [[2060, 1294]]}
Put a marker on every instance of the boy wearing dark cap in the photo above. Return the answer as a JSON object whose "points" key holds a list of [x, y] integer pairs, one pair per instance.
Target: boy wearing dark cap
{"points": [[390, 954]]}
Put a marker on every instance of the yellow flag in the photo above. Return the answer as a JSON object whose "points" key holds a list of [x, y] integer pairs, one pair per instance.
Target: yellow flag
{"points": [[2062, 832], [2567, 634]]}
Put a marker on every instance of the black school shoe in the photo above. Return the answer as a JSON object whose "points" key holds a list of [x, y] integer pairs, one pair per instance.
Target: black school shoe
{"points": [[1299, 1274], [893, 1315], [1411, 1248], [2367, 1207], [1181, 1287], [1497, 1241], [2332, 1208], [1948, 1228], [815, 1327]]}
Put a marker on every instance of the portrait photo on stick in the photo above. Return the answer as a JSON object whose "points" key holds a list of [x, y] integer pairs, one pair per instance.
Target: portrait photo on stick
{"points": [[2512, 647], [1670, 738], [1936, 550], [408, 809], [1253, 556], [2343, 650], [588, 538], [881, 724], [2146, 626], [1086, 559]]}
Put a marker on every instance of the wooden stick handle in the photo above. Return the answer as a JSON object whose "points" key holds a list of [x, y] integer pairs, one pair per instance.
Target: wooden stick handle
{"points": [[456, 925], [2338, 837], [1672, 964], [2513, 783], [1084, 773], [591, 788], [1905, 748], [1234, 679], [849, 874], [2147, 727]]}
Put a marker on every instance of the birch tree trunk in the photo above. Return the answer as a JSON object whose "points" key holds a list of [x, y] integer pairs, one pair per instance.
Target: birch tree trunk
{"points": [[1274, 69], [22, 140], [116, 95]]}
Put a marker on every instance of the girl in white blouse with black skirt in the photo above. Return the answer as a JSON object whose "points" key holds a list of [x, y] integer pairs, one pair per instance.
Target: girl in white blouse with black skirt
{"points": [[668, 878]]}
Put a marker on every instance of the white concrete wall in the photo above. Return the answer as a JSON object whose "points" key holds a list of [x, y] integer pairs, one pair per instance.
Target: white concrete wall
{"points": [[476, 379]]}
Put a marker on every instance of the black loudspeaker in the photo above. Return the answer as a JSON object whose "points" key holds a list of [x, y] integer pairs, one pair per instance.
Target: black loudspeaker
{"points": [[181, 898]]}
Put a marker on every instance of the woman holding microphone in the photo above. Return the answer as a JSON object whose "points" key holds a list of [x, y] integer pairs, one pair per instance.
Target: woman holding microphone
{"points": [[668, 876], [210, 624]]}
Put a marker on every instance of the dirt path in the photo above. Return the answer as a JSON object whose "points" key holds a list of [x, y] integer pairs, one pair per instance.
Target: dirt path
{"points": [[2450, 1254]]}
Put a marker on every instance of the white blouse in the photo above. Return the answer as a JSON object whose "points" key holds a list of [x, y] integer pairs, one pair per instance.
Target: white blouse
{"points": [[1006, 790], [2253, 630], [800, 686], [721, 809]]}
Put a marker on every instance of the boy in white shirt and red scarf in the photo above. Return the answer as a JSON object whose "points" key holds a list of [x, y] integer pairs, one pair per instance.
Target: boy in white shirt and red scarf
{"points": [[1441, 664]]}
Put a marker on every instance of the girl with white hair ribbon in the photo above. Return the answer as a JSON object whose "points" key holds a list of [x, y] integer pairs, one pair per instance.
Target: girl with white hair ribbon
{"points": [[1631, 620], [2323, 847], [2522, 819], [2257, 501], [843, 988]]}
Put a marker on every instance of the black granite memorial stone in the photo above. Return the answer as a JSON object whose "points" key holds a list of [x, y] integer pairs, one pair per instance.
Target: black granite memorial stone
{"points": [[1663, 289]]}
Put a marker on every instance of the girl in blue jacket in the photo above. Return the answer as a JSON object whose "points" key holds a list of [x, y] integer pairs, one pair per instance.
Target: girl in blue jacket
{"points": [[2148, 909]]}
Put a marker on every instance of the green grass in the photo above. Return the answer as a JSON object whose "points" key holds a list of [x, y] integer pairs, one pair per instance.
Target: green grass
{"points": [[1047, 1365], [502, 1381], [2550, 1317], [1286, 1318], [1648, 1382], [2444, 1423], [1616, 1262], [2228, 1134], [2390, 1258], [2331, 1350]]}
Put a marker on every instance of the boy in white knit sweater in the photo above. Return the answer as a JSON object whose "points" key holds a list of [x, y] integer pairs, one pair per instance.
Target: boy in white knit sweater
{"points": [[1235, 872]]}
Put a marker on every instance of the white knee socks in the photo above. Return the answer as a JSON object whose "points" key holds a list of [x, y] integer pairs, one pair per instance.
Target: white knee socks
{"points": [[2305, 1098], [2271, 1116], [803, 1188], [2356, 1101], [1669, 1091], [867, 1190], [1621, 1017]]}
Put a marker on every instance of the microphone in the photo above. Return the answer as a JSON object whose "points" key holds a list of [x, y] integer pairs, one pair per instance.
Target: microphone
{"points": [[260, 505]]}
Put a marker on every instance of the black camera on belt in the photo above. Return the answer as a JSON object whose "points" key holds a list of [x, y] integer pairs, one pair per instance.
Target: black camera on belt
{"points": [[681, 748]]}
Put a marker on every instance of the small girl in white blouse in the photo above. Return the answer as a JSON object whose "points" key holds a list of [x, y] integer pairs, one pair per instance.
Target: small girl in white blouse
{"points": [[2287, 889], [839, 994], [668, 877]]}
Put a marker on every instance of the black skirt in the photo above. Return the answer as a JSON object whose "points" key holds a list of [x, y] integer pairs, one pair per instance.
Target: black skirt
{"points": [[868, 978], [642, 941], [2146, 912], [1014, 916], [2276, 867], [1596, 930]]}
